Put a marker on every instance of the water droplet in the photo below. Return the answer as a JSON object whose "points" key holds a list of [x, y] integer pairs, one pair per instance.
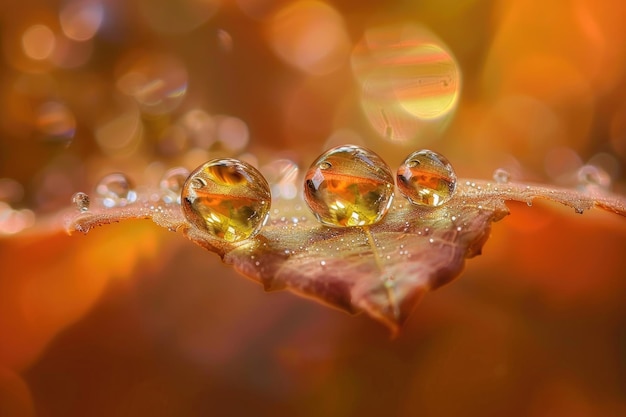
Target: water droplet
{"points": [[349, 186], [579, 210], [172, 184], [501, 176], [81, 201], [116, 190], [228, 198], [426, 178], [593, 178]]}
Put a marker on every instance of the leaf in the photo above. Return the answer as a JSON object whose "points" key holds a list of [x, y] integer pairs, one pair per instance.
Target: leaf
{"points": [[382, 270]]}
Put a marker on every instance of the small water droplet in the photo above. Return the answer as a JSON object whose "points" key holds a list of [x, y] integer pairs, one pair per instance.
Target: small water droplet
{"points": [[593, 178], [529, 203], [501, 176], [172, 184], [81, 201], [116, 190], [322, 263], [426, 178], [227, 198], [349, 186], [579, 210]]}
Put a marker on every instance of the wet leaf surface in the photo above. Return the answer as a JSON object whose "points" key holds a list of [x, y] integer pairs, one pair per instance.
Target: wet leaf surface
{"points": [[382, 270]]}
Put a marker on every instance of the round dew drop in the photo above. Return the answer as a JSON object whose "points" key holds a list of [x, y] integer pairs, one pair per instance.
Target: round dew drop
{"points": [[349, 186], [426, 178], [227, 198], [81, 201]]}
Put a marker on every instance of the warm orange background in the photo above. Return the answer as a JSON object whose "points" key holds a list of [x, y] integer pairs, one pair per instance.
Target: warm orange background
{"points": [[132, 320]]}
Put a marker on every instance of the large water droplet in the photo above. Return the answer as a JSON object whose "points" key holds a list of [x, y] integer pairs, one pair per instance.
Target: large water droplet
{"points": [[426, 178], [81, 201], [116, 190], [172, 184], [227, 198], [349, 186]]}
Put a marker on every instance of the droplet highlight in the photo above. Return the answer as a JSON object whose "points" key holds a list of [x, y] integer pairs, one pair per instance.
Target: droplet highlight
{"points": [[426, 178], [227, 198], [116, 190], [81, 201], [172, 184], [349, 186]]}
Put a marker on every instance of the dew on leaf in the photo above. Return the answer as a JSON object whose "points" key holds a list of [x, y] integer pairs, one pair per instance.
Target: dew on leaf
{"points": [[426, 178], [349, 186], [81, 201], [227, 198], [357, 277]]}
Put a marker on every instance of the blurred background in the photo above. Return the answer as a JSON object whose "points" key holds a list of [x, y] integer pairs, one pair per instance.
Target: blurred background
{"points": [[132, 320]]}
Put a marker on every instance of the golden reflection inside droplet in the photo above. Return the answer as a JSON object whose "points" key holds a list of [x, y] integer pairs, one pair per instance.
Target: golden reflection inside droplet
{"points": [[409, 81], [38, 42], [81, 19], [310, 36]]}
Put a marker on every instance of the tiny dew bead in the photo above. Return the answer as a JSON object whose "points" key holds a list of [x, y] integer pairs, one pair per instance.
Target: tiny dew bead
{"points": [[349, 186], [227, 198], [426, 178]]}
